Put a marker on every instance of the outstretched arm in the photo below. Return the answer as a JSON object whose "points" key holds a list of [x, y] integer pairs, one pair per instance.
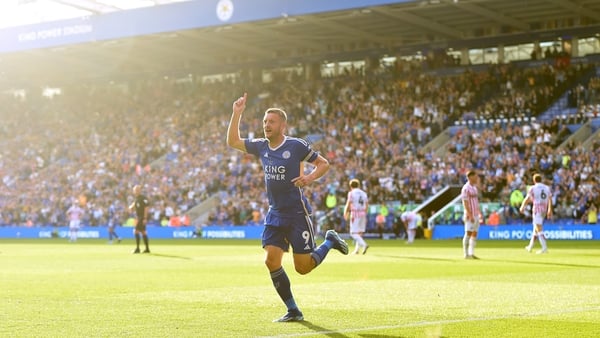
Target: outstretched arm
{"points": [[233, 132]]}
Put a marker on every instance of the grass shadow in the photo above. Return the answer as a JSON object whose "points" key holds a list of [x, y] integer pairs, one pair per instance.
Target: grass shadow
{"points": [[170, 256], [330, 333], [493, 260], [368, 335], [543, 263], [421, 258], [321, 330]]}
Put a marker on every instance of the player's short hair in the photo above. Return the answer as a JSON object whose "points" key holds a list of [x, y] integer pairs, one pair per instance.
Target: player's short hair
{"points": [[277, 111], [537, 178], [471, 173], [354, 183]]}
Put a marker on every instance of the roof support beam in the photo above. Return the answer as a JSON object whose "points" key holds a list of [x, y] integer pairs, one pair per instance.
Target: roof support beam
{"points": [[578, 9], [286, 39], [228, 44], [495, 16], [347, 30], [423, 23], [92, 6]]}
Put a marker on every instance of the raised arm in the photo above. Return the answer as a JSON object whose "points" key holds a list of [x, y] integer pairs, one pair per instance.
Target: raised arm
{"points": [[233, 131]]}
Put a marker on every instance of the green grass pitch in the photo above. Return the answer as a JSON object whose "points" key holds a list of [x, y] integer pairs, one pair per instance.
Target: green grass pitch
{"points": [[220, 288]]}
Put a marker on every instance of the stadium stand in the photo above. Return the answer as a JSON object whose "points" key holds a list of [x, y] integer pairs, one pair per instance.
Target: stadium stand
{"points": [[96, 139], [112, 145]]}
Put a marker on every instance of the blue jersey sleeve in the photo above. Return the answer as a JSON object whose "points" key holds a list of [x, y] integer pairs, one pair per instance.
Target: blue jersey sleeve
{"points": [[253, 146]]}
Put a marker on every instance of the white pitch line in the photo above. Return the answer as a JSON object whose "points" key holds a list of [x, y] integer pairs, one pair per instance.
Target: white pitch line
{"points": [[436, 322]]}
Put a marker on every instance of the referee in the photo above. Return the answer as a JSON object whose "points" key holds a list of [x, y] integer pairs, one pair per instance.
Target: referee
{"points": [[140, 204]]}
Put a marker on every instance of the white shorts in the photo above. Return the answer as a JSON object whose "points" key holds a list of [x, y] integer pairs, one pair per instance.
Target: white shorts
{"points": [[472, 226], [412, 225], [538, 219], [358, 224], [74, 224]]}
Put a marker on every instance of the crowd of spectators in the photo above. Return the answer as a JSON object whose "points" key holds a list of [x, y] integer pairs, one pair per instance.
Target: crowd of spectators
{"points": [[508, 156], [93, 142]]}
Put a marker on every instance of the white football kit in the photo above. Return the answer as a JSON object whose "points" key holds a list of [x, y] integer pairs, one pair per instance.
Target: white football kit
{"points": [[540, 196], [358, 210], [470, 197]]}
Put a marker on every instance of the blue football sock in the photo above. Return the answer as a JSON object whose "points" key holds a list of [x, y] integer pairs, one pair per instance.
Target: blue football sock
{"points": [[281, 282], [321, 252]]}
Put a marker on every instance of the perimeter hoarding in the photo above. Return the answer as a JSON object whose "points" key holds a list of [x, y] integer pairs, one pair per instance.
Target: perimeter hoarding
{"points": [[577, 232], [101, 232]]}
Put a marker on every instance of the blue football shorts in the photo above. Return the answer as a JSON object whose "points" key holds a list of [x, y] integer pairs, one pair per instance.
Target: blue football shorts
{"points": [[296, 231]]}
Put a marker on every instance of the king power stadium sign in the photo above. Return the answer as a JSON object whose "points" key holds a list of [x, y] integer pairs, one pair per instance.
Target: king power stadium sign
{"points": [[164, 19]]}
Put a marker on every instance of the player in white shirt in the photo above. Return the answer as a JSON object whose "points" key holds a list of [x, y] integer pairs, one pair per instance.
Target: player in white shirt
{"points": [[472, 214], [74, 214], [541, 197], [355, 212], [411, 222]]}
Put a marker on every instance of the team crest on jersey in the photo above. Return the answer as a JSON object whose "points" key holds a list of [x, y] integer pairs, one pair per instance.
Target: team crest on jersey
{"points": [[286, 154]]}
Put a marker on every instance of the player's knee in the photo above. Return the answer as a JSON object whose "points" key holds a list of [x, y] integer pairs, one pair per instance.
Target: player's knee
{"points": [[303, 269], [272, 264]]}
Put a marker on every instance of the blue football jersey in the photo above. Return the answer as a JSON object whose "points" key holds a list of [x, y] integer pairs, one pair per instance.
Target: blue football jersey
{"points": [[280, 166]]}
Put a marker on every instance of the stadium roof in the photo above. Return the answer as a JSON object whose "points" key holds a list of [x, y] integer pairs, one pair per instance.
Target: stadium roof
{"points": [[25, 12], [288, 39]]}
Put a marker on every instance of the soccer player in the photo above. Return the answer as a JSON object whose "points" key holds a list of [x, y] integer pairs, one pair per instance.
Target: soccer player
{"points": [[140, 205], [288, 219], [411, 221], [355, 211], [113, 221], [472, 214], [541, 198], [74, 214]]}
